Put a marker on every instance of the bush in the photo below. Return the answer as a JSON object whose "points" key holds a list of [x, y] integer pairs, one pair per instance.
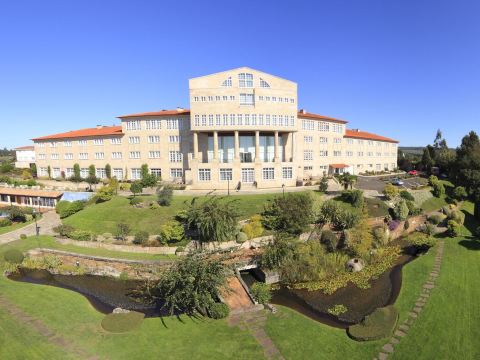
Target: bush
{"points": [[354, 197], [435, 219], [329, 240], [345, 219], [380, 236], [460, 193], [154, 206], [171, 232], [241, 237], [390, 191], [105, 193], [432, 180], [180, 249], [254, 228], [123, 322], [83, 235], [378, 325], [337, 309], [141, 238], [165, 195], [261, 292], [400, 211], [16, 213], [64, 230], [135, 201], [23, 236], [122, 231], [453, 228], [218, 311], [13, 256], [404, 194], [125, 186], [5, 222], [421, 241], [67, 208], [457, 216], [438, 189]]}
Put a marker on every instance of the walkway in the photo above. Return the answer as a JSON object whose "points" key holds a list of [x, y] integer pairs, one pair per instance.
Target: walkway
{"points": [[48, 221], [39, 327], [401, 332]]}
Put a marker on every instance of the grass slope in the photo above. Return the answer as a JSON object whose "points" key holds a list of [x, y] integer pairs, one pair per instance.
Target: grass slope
{"points": [[15, 226]]}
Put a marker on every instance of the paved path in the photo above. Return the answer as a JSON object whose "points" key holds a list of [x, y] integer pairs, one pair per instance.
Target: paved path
{"points": [[39, 327], [255, 321], [48, 221], [402, 330]]}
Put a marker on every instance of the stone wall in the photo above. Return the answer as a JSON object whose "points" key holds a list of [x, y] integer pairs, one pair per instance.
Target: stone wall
{"points": [[165, 250]]}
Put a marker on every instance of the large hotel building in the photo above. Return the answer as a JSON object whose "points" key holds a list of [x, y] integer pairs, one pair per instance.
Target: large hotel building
{"points": [[243, 128]]}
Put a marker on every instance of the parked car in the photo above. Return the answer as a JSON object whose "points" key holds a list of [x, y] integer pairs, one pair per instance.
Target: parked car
{"points": [[413, 172], [397, 182]]}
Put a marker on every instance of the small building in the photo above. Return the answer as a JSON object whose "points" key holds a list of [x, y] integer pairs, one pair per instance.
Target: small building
{"points": [[29, 197], [25, 157]]}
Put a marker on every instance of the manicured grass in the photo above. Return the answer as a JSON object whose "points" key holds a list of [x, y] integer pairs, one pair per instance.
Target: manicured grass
{"points": [[15, 226], [376, 207], [49, 242], [104, 217], [433, 204]]}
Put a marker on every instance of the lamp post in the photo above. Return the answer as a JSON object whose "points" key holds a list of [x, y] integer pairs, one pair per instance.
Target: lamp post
{"points": [[283, 190], [37, 230], [228, 186]]}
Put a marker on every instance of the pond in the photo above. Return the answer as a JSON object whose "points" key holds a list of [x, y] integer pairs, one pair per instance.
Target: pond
{"points": [[104, 293], [359, 302]]}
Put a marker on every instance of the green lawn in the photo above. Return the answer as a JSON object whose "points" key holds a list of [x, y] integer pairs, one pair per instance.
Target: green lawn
{"points": [[102, 218], [376, 207], [49, 242], [15, 226], [433, 204]]}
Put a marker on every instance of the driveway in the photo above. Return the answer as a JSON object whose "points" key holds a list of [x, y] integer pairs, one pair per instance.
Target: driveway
{"points": [[370, 183], [46, 224]]}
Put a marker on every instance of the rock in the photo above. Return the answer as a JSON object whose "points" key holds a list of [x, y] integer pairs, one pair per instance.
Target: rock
{"points": [[428, 286], [382, 356], [394, 341], [355, 265], [388, 348], [119, 310], [400, 333]]}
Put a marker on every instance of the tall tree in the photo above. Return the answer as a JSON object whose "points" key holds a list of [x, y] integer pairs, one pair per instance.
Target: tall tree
{"points": [[427, 160]]}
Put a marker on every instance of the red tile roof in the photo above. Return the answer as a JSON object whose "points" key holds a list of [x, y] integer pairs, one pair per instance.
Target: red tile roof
{"points": [[28, 147], [98, 131], [306, 115], [338, 166], [30, 192], [357, 134], [158, 113]]}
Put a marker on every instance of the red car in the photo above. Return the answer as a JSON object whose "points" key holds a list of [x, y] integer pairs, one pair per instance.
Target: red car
{"points": [[413, 172]]}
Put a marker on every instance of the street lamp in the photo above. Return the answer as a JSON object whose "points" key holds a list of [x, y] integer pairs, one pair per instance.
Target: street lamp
{"points": [[37, 229], [283, 190]]}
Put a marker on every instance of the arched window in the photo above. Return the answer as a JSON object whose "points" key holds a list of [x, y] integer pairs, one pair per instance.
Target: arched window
{"points": [[245, 80], [227, 82], [264, 84]]}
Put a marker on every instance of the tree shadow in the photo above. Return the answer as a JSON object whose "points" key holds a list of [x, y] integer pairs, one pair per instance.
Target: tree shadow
{"points": [[470, 222], [472, 244]]}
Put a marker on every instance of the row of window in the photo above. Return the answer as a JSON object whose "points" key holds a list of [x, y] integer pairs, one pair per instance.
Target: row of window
{"points": [[82, 142], [308, 154], [359, 166], [174, 156], [310, 125], [135, 173], [247, 174], [171, 124], [244, 119], [323, 140], [245, 98], [154, 139]]}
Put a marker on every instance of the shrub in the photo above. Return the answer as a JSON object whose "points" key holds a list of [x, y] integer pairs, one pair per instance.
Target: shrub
{"points": [[16, 213], [83, 235], [218, 311], [438, 189], [171, 232], [165, 195], [400, 211], [136, 188], [337, 309], [141, 238], [421, 241], [23, 236], [404, 194], [354, 197], [5, 222], [432, 180], [457, 216], [135, 201], [390, 191], [435, 219], [179, 249], [241, 237], [261, 292], [67, 208], [13, 256], [254, 228], [453, 228], [380, 236], [64, 230], [345, 219], [460, 193], [105, 193], [378, 325], [323, 185], [125, 186], [329, 240], [122, 231], [123, 322]]}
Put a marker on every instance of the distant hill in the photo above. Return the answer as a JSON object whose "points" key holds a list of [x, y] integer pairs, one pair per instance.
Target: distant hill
{"points": [[414, 150]]}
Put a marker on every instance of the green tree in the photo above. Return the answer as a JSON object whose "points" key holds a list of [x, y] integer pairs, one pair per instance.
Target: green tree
{"points": [[292, 213], [400, 211], [136, 188], [76, 173], [33, 169], [108, 171], [91, 171], [122, 231], [171, 232], [49, 171], [276, 251], [460, 193], [390, 191], [347, 180], [427, 160], [165, 195], [323, 186], [214, 219]]}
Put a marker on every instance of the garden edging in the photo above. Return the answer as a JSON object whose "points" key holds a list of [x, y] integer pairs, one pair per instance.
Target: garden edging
{"points": [[121, 248]]}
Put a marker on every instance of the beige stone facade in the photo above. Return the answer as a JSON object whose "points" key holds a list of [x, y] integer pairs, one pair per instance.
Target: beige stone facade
{"points": [[243, 130]]}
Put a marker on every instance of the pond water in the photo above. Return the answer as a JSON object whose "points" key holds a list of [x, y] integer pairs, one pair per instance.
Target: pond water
{"points": [[359, 302], [104, 293]]}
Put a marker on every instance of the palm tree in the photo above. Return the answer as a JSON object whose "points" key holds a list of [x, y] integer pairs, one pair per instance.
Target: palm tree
{"points": [[347, 180]]}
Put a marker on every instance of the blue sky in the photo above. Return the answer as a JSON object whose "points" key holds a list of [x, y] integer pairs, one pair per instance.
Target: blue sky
{"points": [[398, 68]]}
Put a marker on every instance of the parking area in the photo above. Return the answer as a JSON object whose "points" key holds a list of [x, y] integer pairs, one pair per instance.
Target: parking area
{"points": [[378, 184]]}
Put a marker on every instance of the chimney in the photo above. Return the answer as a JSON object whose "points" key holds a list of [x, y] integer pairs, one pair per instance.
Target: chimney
{"points": [[303, 111], [180, 109]]}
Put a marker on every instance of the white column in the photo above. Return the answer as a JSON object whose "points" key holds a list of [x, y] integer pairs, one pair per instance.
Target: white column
{"points": [[276, 152], [195, 145], [257, 146], [236, 150], [215, 145]]}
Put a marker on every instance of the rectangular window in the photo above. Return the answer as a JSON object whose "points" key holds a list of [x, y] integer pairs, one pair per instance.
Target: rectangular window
{"points": [[232, 119], [247, 99], [56, 172], [136, 173], [41, 144], [84, 173], [174, 124], [274, 120], [67, 143], [217, 120], [338, 128], [134, 140], [83, 156], [68, 172], [100, 173], [267, 120], [226, 174], [287, 173], [280, 120], [133, 125], [99, 155], [337, 153], [349, 153], [176, 173], [308, 155], [53, 144], [225, 98], [134, 154], [115, 141], [41, 156], [204, 175], [210, 120], [175, 156], [157, 172], [197, 120], [323, 140], [292, 120], [43, 171], [54, 156], [245, 80], [323, 153], [118, 173], [116, 155], [174, 139], [350, 141], [82, 142], [308, 168], [248, 175], [337, 140], [225, 119], [210, 98], [260, 119], [204, 120], [247, 119], [308, 125], [268, 173], [239, 119], [97, 141], [154, 154], [68, 156], [360, 153], [153, 139], [217, 98], [232, 98], [308, 139], [254, 119]]}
